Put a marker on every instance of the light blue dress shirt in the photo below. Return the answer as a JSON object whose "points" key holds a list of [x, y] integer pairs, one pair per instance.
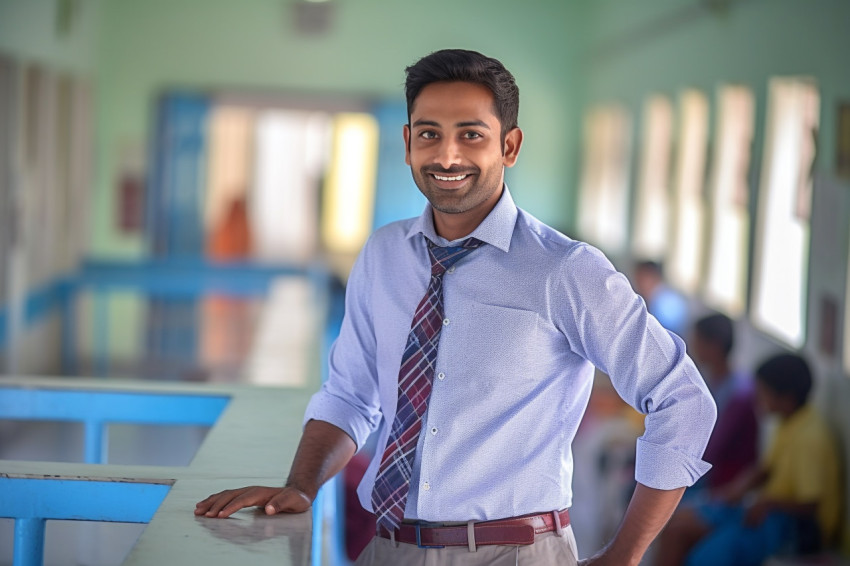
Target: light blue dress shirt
{"points": [[527, 316]]}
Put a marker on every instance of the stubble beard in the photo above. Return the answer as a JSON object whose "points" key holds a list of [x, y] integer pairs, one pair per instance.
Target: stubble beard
{"points": [[450, 202]]}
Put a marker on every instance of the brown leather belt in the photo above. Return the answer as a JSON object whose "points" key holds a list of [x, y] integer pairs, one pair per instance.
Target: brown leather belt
{"points": [[513, 531]]}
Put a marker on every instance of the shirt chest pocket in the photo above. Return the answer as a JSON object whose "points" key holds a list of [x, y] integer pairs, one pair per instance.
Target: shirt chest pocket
{"points": [[497, 344]]}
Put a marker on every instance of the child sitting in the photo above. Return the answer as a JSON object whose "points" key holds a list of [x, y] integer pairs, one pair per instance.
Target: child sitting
{"points": [[794, 494]]}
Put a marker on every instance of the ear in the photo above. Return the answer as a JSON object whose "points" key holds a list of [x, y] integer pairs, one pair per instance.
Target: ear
{"points": [[513, 141], [406, 133]]}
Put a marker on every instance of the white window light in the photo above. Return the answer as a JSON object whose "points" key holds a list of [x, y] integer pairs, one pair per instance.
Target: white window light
{"points": [[782, 228], [728, 246]]}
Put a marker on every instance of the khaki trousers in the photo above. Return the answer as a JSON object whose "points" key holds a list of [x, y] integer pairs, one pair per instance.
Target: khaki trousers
{"points": [[548, 550]]}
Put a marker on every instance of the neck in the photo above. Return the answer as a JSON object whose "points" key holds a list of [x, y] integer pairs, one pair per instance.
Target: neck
{"points": [[453, 226], [788, 409]]}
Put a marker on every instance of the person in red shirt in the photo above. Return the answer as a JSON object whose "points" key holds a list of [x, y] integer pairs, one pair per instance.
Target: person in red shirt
{"points": [[733, 446]]}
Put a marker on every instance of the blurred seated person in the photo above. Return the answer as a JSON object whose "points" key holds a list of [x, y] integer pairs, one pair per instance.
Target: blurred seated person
{"points": [[662, 302], [791, 500], [733, 446]]}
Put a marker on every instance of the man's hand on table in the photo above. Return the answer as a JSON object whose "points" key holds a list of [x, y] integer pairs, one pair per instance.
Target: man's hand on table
{"points": [[272, 499]]}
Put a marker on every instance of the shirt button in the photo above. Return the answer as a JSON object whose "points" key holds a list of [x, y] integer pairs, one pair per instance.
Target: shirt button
{"points": [[441, 376], [451, 269], [426, 486], [445, 322], [433, 430]]}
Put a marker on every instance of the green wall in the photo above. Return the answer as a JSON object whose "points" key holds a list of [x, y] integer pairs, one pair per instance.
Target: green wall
{"points": [[30, 30], [253, 45], [636, 48]]}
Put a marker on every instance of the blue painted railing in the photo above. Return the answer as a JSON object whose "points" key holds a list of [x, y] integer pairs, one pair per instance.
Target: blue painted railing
{"points": [[172, 278], [40, 303], [97, 409], [32, 502]]}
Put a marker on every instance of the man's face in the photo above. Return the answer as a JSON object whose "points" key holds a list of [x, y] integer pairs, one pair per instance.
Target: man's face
{"points": [[454, 149]]}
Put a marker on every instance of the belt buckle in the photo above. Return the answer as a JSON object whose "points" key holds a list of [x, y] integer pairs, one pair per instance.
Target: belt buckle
{"points": [[417, 526]]}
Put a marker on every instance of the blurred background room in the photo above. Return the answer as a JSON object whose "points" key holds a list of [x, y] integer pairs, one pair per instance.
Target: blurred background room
{"points": [[184, 185]]}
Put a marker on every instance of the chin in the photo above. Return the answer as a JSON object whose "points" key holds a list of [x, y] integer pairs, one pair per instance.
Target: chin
{"points": [[450, 207]]}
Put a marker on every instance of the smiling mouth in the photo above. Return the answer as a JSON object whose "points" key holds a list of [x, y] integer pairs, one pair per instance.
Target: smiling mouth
{"points": [[454, 178]]}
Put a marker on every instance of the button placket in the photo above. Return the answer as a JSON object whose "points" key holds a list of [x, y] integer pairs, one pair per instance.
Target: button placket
{"points": [[432, 429]]}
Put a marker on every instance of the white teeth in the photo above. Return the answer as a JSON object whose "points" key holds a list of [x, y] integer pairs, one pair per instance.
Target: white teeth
{"points": [[441, 178]]}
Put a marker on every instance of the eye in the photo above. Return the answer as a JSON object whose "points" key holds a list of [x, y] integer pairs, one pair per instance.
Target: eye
{"points": [[428, 134], [471, 135]]}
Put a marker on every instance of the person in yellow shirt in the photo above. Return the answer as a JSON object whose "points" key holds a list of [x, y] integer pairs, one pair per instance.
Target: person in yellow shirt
{"points": [[790, 502]]}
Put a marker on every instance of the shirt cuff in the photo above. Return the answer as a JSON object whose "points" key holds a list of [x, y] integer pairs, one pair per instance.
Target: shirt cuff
{"points": [[330, 409], [661, 467]]}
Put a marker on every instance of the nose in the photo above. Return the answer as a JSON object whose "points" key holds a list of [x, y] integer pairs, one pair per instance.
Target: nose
{"points": [[448, 153]]}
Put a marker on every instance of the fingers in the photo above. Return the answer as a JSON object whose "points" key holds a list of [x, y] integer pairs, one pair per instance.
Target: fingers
{"points": [[273, 500], [214, 503], [202, 507], [225, 503]]}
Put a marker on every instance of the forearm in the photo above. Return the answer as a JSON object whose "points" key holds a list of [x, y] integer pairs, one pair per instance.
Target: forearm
{"points": [[648, 512], [323, 452]]}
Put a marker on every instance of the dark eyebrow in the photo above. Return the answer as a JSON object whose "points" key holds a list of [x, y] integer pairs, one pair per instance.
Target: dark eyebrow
{"points": [[478, 123], [467, 124], [425, 123]]}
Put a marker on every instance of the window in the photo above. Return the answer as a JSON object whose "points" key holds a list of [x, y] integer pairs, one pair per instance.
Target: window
{"points": [[728, 256], [603, 203], [290, 158], [349, 199], [782, 227], [651, 232], [685, 255]]}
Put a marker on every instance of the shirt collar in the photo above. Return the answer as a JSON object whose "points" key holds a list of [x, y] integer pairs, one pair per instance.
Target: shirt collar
{"points": [[496, 229]]}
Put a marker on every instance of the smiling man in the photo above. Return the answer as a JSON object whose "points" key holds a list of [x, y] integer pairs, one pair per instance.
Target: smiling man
{"points": [[469, 344], [457, 153]]}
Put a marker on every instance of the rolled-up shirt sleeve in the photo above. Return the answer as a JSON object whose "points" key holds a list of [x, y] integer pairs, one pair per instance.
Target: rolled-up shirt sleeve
{"points": [[349, 398], [648, 367]]}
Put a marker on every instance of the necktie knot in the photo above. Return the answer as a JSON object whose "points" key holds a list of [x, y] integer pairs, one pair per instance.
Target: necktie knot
{"points": [[442, 258]]}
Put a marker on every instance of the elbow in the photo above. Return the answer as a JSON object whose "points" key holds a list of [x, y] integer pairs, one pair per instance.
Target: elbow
{"points": [[711, 409]]}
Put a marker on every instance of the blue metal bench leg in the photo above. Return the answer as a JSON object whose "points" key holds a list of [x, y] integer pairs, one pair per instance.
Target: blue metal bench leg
{"points": [[95, 442], [29, 542]]}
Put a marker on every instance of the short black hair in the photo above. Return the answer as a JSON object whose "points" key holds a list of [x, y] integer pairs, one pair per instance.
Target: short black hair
{"points": [[717, 329], [461, 65], [655, 267], [787, 374]]}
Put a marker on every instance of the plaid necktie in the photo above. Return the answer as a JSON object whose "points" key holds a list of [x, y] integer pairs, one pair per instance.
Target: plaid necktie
{"points": [[392, 484]]}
